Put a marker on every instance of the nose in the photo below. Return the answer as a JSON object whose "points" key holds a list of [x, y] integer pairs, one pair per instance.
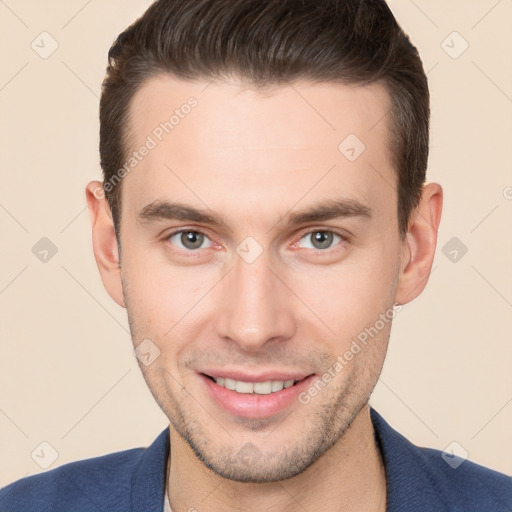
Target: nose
{"points": [[255, 305]]}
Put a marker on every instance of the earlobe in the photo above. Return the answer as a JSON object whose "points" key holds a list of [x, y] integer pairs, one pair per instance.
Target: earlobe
{"points": [[104, 241], [419, 245]]}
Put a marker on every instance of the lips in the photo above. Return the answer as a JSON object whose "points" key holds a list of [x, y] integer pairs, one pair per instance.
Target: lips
{"points": [[255, 397]]}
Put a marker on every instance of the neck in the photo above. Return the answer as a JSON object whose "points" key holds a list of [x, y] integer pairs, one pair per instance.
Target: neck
{"points": [[350, 476]]}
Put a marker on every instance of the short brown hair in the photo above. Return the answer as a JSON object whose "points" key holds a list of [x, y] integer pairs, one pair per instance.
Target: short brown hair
{"points": [[272, 42]]}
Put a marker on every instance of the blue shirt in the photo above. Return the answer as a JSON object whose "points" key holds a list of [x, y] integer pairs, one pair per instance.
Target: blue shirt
{"points": [[418, 480]]}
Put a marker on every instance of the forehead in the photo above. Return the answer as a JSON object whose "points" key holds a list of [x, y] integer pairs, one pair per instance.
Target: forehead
{"points": [[276, 142], [321, 108]]}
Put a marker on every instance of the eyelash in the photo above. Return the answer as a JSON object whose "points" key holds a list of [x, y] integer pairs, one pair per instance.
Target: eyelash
{"points": [[344, 238]]}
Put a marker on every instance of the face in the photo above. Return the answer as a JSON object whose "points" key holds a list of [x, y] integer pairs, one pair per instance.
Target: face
{"points": [[256, 250]]}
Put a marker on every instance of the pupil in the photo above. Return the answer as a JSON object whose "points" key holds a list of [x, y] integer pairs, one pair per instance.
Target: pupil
{"points": [[322, 239], [191, 239]]}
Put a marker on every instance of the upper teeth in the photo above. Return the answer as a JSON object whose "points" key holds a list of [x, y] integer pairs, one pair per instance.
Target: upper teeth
{"points": [[260, 388]]}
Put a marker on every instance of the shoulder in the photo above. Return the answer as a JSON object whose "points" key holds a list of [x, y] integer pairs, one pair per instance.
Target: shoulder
{"points": [[426, 477], [466, 484], [122, 481], [99, 483]]}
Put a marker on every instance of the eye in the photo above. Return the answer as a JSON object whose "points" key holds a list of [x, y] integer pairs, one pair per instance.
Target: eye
{"points": [[320, 239], [188, 239]]}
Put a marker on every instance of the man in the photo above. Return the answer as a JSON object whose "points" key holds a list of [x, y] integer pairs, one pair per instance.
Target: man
{"points": [[263, 204]]}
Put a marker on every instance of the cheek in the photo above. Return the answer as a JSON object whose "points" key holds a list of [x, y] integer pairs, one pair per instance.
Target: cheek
{"points": [[350, 297], [160, 296]]}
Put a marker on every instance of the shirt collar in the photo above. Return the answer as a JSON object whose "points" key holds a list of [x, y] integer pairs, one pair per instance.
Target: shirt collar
{"points": [[408, 478], [409, 483]]}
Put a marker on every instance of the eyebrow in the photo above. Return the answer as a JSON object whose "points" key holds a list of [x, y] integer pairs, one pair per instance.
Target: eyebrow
{"points": [[165, 210], [330, 209]]}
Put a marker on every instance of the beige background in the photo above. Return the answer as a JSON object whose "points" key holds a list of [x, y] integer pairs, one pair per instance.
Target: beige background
{"points": [[68, 376]]}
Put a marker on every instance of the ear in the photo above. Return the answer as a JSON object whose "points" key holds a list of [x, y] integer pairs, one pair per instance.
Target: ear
{"points": [[419, 245], [104, 241]]}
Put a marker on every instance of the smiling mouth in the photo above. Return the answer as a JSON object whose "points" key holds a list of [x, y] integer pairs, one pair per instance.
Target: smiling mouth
{"points": [[253, 388]]}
